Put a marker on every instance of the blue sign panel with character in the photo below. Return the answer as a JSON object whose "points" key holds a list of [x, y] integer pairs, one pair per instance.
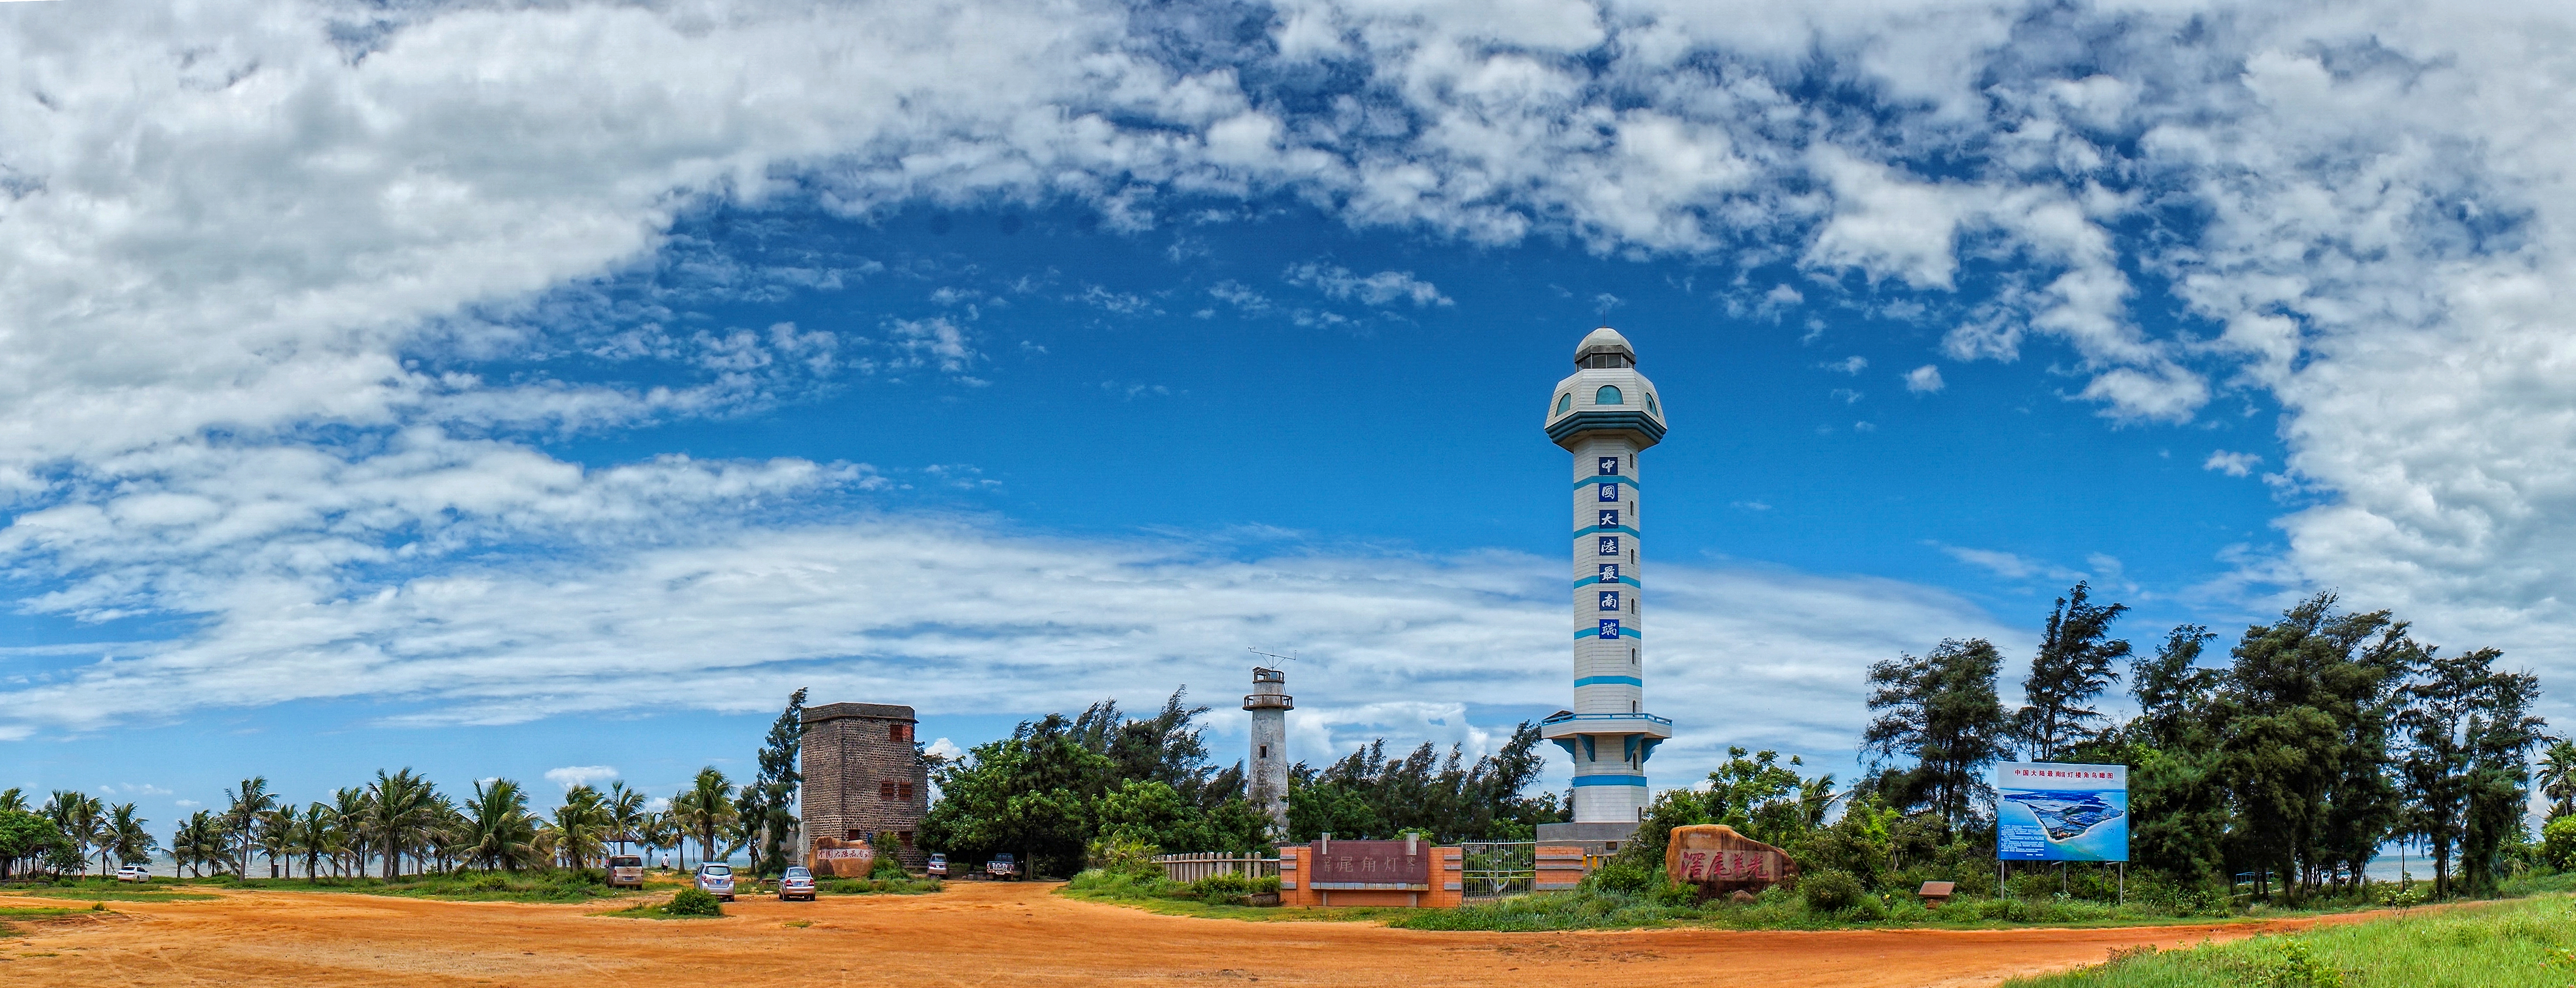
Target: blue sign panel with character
{"points": [[2045, 811]]}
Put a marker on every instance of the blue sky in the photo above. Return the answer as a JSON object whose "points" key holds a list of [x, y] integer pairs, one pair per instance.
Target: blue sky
{"points": [[507, 391]]}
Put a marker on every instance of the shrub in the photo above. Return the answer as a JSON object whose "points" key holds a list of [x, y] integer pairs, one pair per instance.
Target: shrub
{"points": [[887, 866], [1831, 890], [1623, 876], [1123, 857], [694, 902], [1674, 895], [2558, 842], [1101, 884], [1869, 909], [1225, 889]]}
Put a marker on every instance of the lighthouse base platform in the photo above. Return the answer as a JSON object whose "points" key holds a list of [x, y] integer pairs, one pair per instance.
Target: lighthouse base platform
{"points": [[1596, 838]]}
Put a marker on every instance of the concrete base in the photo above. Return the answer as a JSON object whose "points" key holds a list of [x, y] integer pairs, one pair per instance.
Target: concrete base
{"points": [[1597, 838]]}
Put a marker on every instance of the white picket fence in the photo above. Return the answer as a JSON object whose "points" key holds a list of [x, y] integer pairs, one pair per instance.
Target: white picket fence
{"points": [[1192, 867]]}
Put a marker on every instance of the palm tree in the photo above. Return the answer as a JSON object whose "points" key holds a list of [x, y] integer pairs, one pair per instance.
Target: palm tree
{"points": [[658, 831], [13, 799], [247, 803], [313, 835], [625, 814], [401, 809], [99, 835], [705, 809], [578, 827], [126, 838], [200, 842], [276, 834], [76, 815], [499, 833], [2558, 777], [349, 831], [447, 836]]}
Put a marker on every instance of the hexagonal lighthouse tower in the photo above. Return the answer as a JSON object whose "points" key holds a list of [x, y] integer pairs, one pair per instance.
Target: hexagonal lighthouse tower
{"points": [[1605, 415]]}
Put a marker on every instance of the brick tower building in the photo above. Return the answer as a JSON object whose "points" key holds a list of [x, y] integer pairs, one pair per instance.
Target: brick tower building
{"points": [[863, 776]]}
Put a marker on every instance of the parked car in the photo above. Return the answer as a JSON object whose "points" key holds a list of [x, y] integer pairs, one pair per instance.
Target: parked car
{"points": [[938, 866], [135, 871], [798, 883], [1003, 866], [716, 880], [626, 871]]}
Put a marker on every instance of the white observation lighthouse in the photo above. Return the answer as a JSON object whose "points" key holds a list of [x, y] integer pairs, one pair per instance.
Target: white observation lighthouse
{"points": [[1268, 783], [1605, 414]]}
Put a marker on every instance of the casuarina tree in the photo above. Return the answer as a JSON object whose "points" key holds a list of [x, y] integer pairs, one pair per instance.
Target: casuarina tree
{"points": [[767, 805], [1940, 711], [2071, 668]]}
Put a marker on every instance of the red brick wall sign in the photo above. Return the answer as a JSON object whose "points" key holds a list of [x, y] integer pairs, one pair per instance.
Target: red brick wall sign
{"points": [[1298, 863], [1391, 865]]}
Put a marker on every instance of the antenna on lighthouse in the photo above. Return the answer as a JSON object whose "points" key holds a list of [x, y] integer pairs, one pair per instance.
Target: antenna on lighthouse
{"points": [[1284, 658]]}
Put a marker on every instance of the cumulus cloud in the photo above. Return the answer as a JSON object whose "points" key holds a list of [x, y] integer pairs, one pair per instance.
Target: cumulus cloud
{"points": [[1923, 380], [1383, 288], [581, 775], [228, 229], [1010, 621], [2231, 464]]}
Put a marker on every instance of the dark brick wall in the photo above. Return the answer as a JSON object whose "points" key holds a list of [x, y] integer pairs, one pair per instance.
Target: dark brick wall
{"points": [[848, 757]]}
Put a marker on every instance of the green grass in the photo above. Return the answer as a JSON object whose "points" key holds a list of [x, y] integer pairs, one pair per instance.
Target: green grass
{"points": [[651, 910], [1156, 894], [468, 886], [878, 886], [132, 893], [687, 903], [1600, 909], [2509, 944], [38, 912]]}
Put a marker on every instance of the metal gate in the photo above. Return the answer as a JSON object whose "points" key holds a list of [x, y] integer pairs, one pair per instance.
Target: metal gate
{"points": [[1493, 871]]}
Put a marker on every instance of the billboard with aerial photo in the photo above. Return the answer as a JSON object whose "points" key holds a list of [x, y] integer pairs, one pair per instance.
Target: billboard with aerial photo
{"points": [[2045, 811]]}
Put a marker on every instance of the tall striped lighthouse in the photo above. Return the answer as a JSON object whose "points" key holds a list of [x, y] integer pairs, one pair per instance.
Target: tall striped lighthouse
{"points": [[1605, 415]]}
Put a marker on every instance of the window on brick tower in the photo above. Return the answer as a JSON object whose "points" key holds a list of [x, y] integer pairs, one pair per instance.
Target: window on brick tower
{"points": [[856, 834], [903, 837], [895, 732], [903, 791], [885, 790]]}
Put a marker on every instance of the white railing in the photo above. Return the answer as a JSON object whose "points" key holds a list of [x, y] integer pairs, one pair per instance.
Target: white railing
{"points": [[1192, 867]]}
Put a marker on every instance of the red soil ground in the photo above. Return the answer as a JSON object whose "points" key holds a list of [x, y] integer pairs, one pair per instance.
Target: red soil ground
{"points": [[973, 934]]}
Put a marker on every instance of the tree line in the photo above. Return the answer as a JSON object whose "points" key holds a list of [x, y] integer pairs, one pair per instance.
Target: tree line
{"points": [[398, 824], [401, 824], [1060, 788], [2321, 737]]}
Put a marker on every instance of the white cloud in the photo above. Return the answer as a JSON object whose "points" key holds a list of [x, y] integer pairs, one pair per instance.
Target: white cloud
{"points": [[228, 228], [1013, 622], [1853, 364], [580, 775], [2231, 464], [2008, 565], [1383, 288], [943, 748], [1923, 380]]}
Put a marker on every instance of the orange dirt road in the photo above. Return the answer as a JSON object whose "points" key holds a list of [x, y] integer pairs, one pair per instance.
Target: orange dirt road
{"points": [[972, 934]]}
